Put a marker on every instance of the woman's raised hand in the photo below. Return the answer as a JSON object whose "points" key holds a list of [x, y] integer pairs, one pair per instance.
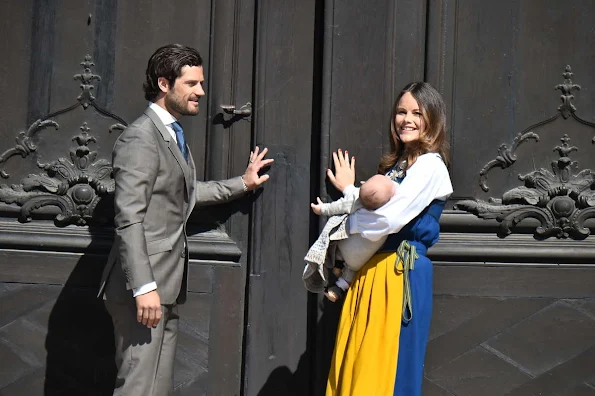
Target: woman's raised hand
{"points": [[344, 170]]}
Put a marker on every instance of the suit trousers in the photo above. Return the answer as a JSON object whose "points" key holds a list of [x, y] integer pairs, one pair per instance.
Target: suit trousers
{"points": [[144, 357]]}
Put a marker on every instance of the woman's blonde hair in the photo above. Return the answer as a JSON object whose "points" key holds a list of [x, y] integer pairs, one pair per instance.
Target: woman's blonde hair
{"points": [[432, 138]]}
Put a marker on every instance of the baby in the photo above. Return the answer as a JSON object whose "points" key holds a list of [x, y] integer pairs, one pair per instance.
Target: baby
{"points": [[355, 250]]}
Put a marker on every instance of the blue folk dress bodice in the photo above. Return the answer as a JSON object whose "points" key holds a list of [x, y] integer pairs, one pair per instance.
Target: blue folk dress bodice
{"points": [[411, 244], [423, 231]]}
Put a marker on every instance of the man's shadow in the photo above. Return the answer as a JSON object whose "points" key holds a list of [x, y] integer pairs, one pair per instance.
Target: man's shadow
{"points": [[310, 376], [80, 338]]}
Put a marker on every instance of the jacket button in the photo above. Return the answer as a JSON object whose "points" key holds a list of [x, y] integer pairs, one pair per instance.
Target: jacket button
{"points": [[184, 253]]}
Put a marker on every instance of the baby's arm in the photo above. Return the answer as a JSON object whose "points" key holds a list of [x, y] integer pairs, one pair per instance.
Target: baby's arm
{"points": [[341, 206]]}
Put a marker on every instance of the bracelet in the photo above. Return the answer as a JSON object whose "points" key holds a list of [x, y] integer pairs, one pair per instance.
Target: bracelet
{"points": [[244, 186]]}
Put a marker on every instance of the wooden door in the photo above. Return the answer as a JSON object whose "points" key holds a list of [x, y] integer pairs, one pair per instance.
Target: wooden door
{"points": [[513, 313], [72, 78], [279, 349]]}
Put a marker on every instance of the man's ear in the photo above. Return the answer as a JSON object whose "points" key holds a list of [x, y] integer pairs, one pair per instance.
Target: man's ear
{"points": [[163, 84]]}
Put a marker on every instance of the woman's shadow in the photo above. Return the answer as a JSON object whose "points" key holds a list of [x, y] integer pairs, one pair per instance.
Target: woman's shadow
{"points": [[80, 338]]}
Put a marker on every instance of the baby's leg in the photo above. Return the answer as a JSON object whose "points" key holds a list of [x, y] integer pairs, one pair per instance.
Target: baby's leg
{"points": [[336, 292], [348, 275]]}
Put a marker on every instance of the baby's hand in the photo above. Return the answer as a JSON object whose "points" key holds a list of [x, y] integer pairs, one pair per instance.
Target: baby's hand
{"points": [[317, 208]]}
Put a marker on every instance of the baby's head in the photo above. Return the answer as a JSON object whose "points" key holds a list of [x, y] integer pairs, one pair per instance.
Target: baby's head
{"points": [[376, 192]]}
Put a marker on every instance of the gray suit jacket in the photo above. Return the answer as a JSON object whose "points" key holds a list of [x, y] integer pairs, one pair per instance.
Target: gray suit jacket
{"points": [[155, 193]]}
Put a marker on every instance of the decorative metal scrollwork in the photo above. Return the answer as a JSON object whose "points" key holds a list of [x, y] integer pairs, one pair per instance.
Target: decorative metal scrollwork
{"points": [[76, 185], [505, 158], [25, 144], [567, 108], [561, 200], [87, 77]]}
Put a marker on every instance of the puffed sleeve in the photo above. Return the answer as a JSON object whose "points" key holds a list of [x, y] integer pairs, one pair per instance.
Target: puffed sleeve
{"points": [[426, 180]]}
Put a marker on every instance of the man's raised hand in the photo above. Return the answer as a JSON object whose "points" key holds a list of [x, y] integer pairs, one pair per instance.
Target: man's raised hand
{"points": [[257, 161]]}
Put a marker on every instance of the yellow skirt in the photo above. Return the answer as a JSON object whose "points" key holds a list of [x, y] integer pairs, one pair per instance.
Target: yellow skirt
{"points": [[367, 346]]}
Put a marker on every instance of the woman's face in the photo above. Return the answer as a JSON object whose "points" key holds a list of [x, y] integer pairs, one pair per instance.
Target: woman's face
{"points": [[409, 122]]}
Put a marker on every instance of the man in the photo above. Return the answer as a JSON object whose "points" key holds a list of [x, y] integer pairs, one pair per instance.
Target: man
{"points": [[156, 190]]}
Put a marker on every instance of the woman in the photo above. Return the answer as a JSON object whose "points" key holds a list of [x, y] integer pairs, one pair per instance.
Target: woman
{"points": [[385, 320]]}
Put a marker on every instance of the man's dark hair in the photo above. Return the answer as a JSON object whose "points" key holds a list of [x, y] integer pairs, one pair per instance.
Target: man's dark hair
{"points": [[168, 62]]}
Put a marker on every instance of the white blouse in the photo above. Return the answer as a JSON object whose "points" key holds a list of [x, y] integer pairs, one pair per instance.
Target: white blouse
{"points": [[426, 180]]}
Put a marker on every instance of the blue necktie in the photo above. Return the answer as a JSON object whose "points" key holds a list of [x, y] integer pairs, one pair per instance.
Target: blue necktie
{"points": [[180, 138]]}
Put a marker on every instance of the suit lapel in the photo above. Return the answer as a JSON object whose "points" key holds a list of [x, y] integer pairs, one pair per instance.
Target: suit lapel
{"points": [[173, 148]]}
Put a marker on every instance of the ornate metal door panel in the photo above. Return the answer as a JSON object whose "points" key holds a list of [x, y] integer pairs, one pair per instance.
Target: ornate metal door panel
{"points": [[514, 286], [72, 80]]}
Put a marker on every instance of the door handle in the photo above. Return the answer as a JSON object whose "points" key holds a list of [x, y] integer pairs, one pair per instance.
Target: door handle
{"points": [[244, 111]]}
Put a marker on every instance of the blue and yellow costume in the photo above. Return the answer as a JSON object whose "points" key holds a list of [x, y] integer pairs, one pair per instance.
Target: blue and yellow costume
{"points": [[385, 321]]}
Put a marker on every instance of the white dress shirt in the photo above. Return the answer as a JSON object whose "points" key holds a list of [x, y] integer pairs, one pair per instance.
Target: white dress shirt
{"points": [[167, 120], [427, 179], [165, 117]]}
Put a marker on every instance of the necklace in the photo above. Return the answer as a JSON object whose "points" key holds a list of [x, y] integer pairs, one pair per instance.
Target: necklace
{"points": [[397, 171]]}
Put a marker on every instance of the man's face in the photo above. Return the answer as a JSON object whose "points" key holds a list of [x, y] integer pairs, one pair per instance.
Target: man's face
{"points": [[182, 98]]}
